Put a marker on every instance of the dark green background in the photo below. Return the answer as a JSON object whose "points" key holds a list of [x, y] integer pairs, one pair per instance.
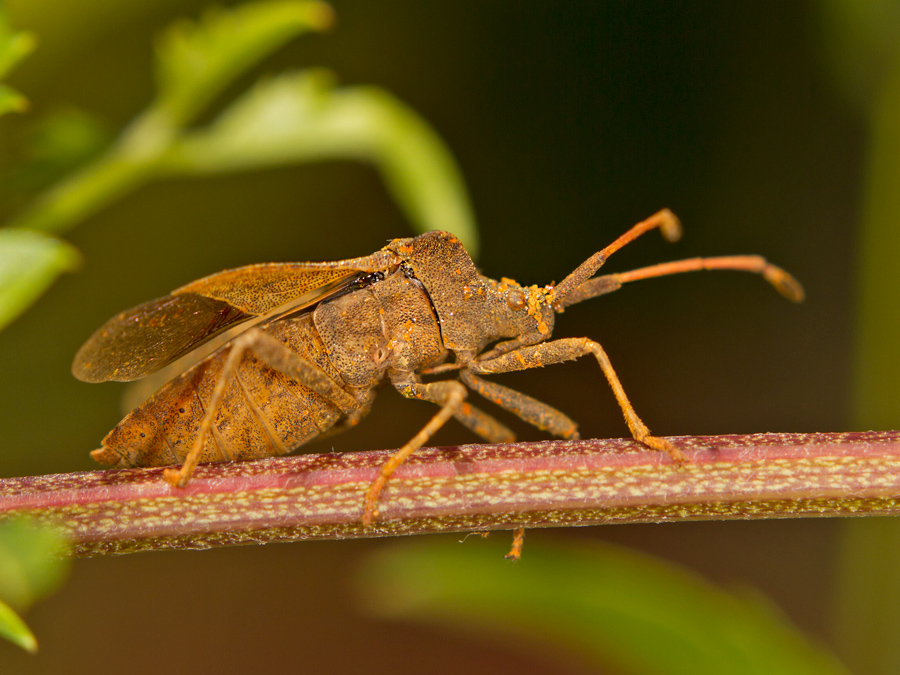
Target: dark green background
{"points": [[570, 121]]}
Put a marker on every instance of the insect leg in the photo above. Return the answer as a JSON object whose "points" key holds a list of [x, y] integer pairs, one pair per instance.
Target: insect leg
{"points": [[181, 477], [483, 424], [567, 349], [531, 410], [449, 394], [515, 551], [478, 421], [541, 415], [275, 354]]}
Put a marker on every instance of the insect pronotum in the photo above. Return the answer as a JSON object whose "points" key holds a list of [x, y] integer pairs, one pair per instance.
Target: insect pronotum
{"points": [[318, 337]]}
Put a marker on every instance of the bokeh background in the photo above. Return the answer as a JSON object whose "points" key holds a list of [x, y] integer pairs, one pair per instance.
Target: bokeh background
{"points": [[570, 122]]}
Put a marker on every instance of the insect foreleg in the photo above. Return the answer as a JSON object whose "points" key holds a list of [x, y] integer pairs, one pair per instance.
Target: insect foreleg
{"points": [[449, 394], [512, 345], [531, 410], [275, 354], [567, 349]]}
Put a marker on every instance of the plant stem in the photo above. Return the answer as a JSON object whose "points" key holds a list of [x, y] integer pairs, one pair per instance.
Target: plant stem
{"points": [[469, 488]]}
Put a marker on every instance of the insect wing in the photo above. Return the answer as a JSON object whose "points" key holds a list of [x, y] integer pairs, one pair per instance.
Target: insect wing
{"points": [[145, 338], [259, 289]]}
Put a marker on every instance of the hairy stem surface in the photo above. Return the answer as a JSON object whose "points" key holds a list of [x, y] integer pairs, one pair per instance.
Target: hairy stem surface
{"points": [[469, 488]]}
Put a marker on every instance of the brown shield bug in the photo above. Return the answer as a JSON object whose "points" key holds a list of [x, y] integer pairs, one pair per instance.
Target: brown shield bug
{"points": [[314, 339]]}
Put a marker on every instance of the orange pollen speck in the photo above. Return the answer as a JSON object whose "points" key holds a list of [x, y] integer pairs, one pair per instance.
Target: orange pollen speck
{"points": [[535, 296]]}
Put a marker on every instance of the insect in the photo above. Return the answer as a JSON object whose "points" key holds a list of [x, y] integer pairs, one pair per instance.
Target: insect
{"points": [[314, 339]]}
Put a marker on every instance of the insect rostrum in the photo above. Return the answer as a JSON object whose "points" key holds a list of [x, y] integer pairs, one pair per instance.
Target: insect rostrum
{"points": [[318, 338]]}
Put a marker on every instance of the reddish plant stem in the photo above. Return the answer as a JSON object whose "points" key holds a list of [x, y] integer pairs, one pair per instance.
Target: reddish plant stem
{"points": [[466, 488]]}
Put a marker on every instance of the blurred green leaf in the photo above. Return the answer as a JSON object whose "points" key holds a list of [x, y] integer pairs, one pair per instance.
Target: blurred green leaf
{"points": [[293, 118], [31, 562], [301, 116], [15, 630], [31, 567], [55, 144], [196, 60], [66, 137], [13, 48], [610, 604], [29, 262]]}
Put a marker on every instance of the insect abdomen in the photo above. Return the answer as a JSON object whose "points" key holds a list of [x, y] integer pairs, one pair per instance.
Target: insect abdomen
{"points": [[262, 413]]}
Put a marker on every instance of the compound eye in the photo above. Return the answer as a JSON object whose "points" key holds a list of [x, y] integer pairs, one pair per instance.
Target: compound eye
{"points": [[515, 299]]}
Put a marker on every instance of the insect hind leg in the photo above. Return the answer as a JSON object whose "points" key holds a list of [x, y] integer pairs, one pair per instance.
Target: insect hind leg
{"points": [[277, 355]]}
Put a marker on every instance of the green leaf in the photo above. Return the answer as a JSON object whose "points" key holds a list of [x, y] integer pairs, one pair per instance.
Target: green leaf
{"points": [[300, 116], [14, 629], [32, 562], [196, 60], [29, 262], [13, 48], [612, 605], [67, 137], [55, 145], [31, 566]]}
